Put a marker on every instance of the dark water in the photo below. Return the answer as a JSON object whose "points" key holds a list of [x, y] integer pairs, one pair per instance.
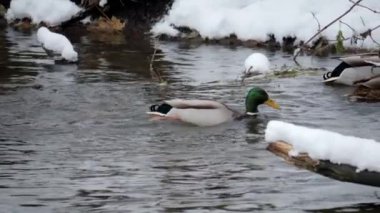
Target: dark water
{"points": [[75, 138]]}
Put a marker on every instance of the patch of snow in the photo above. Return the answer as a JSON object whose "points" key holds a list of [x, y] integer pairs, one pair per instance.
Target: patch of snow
{"points": [[326, 145], [57, 43], [164, 28], [257, 62], [52, 12], [255, 19], [102, 3], [86, 20]]}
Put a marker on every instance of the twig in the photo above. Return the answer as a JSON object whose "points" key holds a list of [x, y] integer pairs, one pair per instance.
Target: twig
{"points": [[105, 15], [153, 72], [342, 22], [363, 22], [374, 41], [354, 36], [363, 6], [315, 17], [152, 59], [327, 26], [375, 28], [368, 33]]}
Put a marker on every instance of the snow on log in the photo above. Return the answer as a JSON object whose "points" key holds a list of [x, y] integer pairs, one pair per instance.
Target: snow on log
{"points": [[345, 158], [57, 43]]}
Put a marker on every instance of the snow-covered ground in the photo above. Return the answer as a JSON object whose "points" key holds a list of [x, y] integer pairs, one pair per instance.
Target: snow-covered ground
{"points": [[52, 12], [326, 145], [255, 19]]}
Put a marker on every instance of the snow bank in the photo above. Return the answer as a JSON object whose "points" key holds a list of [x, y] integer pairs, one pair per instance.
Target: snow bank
{"points": [[326, 145], [57, 43], [52, 12], [254, 19]]}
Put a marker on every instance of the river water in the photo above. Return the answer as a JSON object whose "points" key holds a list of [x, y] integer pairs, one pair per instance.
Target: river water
{"points": [[75, 137]]}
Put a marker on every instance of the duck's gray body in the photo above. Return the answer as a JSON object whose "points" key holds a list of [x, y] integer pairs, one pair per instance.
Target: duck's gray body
{"points": [[198, 112], [354, 68]]}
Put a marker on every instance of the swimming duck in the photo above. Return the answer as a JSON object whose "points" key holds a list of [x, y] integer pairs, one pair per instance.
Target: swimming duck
{"points": [[367, 89], [354, 68], [207, 112], [256, 64]]}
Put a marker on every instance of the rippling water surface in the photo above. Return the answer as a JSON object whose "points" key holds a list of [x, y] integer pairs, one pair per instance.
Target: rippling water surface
{"points": [[75, 138]]}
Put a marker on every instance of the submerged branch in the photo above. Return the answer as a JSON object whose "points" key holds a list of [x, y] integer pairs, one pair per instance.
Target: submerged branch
{"points": [[154, 73]]}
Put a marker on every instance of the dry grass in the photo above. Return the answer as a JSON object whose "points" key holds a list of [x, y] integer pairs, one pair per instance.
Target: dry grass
{"points": [[103, 24]]}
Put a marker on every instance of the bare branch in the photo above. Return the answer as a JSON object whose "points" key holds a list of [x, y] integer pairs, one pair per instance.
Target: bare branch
{"points": [[363, 6], [342, 22], [327, 26], [375, 28]]}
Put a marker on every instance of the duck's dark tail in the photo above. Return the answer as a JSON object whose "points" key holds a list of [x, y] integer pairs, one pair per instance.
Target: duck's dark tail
{"points": [[163, 108]]}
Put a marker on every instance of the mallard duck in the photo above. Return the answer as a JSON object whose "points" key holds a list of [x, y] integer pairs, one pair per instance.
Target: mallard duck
{"points": [[367, 89], [255, 64], [207, 112], [354, 68]]}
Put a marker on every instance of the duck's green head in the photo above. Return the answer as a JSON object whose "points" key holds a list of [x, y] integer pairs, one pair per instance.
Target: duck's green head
{"points": [[257, 96]]}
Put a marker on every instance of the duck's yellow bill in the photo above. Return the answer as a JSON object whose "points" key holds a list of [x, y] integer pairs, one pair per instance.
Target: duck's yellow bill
{"points": [[272, 103]]}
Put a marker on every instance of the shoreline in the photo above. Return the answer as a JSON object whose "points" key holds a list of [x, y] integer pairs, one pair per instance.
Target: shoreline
{"points": [[320, 47]]}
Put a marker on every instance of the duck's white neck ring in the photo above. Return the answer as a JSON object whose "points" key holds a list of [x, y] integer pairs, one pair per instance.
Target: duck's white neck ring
{"points": [[251, 113]]}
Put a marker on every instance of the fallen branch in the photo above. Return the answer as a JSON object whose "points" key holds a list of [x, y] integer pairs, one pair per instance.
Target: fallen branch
{"points": [[325, 27], [341, 172]]}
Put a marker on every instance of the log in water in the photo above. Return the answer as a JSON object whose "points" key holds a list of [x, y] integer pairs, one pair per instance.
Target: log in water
{"points": [[341, 172]]}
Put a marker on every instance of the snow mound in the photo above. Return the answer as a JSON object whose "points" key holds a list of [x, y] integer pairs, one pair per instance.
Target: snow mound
{"points": [[326, 145], [255, 19], [57, 43], [257, 62], [102, 3], [52, 12]]}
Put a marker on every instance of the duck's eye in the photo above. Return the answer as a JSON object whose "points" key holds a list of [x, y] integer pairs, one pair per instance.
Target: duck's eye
{"points": [[327, 75], [154, 108]]}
